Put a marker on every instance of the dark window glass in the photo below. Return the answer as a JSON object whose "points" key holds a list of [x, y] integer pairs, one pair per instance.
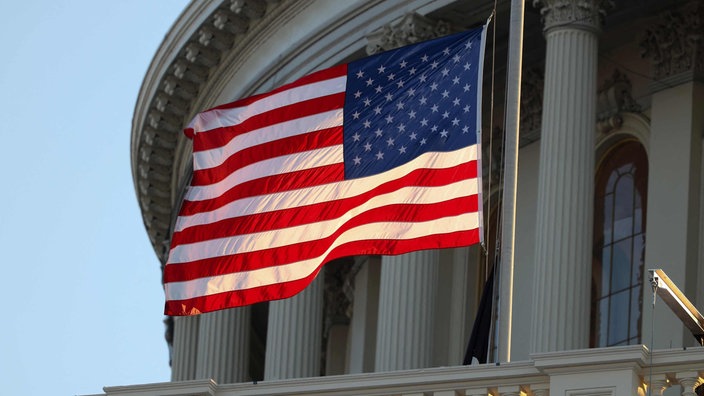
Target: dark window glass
{"points": [[619, 246]]}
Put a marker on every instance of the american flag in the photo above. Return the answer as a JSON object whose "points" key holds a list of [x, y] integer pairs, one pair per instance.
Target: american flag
{"points": [[379, 156]]}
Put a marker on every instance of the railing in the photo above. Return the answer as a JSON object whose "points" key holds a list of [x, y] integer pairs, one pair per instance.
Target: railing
{"points": [[618, 371]]}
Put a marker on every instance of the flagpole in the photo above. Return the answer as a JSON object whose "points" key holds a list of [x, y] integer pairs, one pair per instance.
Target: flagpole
{"points": [[512, 124]]}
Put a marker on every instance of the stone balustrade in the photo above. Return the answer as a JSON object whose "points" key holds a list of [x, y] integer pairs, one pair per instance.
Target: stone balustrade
{"points": [[618, 371]]}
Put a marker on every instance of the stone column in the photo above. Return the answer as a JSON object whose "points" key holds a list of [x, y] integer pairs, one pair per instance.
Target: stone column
{"points": [[563, 257], [407, 296], [183, 364], [294, 334], [408, 285], [223, 346], [363, 324]]}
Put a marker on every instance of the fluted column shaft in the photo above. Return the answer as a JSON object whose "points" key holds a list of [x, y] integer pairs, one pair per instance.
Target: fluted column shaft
{"points": [[566, 176], [407, 294], [294, 334], [223, 346], [183, 362]]}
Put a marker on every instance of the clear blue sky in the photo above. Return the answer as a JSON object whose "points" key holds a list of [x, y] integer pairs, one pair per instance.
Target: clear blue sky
{"points": [[80, 282]]}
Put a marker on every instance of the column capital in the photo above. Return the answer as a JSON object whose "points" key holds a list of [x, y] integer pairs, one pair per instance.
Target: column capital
{"points": [[573, 14], [674, 44]]}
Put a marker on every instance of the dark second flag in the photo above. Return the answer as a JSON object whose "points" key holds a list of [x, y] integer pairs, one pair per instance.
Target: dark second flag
{"points": [[478, 346]]}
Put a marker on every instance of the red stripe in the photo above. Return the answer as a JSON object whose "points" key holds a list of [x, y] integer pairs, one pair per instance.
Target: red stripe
{"points": [[289, 289], [219, 137], [290, 145], [268, 185], [327, 74], [307, 250], [319, 211]]}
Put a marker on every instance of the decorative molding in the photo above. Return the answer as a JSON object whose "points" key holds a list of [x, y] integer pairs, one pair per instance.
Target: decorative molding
{"points": [[614, 98], [252, 9], [580, 14], [412, 28], [632, 126], [338, 300], [349, 284], [532, 85], [675, 44]]}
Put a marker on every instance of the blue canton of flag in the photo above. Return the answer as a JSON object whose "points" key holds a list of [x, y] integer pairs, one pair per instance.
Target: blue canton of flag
{"points": [[412, 100]]}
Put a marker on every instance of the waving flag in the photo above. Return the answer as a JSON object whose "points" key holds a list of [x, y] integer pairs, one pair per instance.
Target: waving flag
{"points": [[378, 156]]}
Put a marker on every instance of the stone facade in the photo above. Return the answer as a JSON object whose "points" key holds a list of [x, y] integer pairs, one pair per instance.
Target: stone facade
{"points": [[588, 93]]}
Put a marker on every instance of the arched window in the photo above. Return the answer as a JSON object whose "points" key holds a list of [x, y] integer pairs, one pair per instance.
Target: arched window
{"points": [[619, 246]]}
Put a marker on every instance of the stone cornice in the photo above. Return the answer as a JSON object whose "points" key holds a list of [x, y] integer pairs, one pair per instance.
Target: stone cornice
{"points": [[192, 48], [584, 360], [573, 14]]}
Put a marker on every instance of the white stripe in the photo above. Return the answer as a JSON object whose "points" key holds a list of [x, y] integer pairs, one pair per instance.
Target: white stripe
{"points": [[301, 269], [207, 159], [327, 192], [253, 242], [218, 118], [274, 166]]}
